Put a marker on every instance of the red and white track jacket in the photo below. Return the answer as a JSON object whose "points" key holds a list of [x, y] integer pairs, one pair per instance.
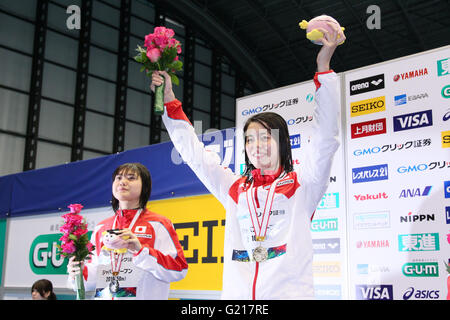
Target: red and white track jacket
{"points": [[161, 256], [287, 274]]}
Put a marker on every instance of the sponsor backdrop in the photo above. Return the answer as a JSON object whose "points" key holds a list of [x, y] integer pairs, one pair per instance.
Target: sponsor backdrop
{"points": [[398, 171], [328, 228], [381, 230]]}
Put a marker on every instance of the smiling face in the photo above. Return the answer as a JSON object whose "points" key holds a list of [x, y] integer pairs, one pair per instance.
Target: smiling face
{"points": [[261, 147], [126, 188]]}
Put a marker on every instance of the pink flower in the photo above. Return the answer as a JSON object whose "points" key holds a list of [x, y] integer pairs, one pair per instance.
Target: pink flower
{"points": [[79, 232], [448, 238], [154, 54], [75, 208], [68, 247], [89, 246]]}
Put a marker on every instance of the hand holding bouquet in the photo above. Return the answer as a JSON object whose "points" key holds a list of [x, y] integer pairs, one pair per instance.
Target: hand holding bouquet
{"points": [[160, 54], [75, 242]]}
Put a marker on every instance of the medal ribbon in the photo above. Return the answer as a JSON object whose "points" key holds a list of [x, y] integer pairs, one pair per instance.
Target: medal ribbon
{"points": [[266, 212]]}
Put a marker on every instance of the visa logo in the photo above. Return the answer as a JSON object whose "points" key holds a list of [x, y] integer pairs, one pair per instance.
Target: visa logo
{"points": [[374, 292], [413, 120]]}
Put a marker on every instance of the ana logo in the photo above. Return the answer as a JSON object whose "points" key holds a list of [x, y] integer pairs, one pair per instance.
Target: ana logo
{"points": [[367, 106], [443, 67], [446, 92], [445, 135], [372, 244], [44, 257], [295, 141], [420, 269], [413, 120], [368, 128], [367, 84], [418, 242], [411, 74], [374, 292], [371, 173], [420, 294], [319, 225], [410, 217], [415, 192]]}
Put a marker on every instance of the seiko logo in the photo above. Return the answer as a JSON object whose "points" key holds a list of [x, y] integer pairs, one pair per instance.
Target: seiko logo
{"points": [[368, 106], [413, 120], [411, 74], [367, 84]]}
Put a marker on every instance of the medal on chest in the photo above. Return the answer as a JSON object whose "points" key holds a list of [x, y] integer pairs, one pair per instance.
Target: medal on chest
{"points": [[260, 223]]}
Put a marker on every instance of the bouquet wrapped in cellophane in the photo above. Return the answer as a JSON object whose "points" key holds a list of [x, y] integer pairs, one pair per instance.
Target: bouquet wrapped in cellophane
{"points": [[160, 54]]}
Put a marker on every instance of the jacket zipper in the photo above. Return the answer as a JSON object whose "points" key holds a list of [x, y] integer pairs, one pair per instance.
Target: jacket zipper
{"points": [[254, 281]]}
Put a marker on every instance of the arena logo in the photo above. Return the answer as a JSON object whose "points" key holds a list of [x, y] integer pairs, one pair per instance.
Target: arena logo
{"points": [[420, 269], [402, 98], [372, 244], [415, 192], [374, 292], [411, 292], [367, 106], [327, 246], [410, 217], [370, 173], [411, 74], [367, 84], [413, 120], [368, 128]]}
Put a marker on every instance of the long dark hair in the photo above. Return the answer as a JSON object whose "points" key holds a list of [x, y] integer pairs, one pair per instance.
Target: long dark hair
{"points": [[271, 121], [43, 286], [140, 170]]}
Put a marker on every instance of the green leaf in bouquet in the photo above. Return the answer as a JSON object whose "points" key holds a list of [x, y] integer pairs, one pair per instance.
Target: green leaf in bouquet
{"points": [[174, 79], [176, 65], [73, 237]]}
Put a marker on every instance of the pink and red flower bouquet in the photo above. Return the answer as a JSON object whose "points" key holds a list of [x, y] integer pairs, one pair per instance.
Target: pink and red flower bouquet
{"points": [[160, 54]]}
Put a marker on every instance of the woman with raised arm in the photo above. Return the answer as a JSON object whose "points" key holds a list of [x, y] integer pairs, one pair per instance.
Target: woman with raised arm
{"points": [[268, 249]]}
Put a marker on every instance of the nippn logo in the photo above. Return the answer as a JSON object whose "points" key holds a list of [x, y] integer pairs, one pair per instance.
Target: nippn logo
{"points": [[368, 106]]}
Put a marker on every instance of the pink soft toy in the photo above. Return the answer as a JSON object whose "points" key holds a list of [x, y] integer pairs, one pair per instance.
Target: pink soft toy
{"points": [[312, 32], [113, 242]]}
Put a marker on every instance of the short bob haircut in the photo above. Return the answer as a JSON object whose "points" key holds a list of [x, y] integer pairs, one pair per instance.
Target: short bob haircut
{"points": [[141, 171], [271, 121]]}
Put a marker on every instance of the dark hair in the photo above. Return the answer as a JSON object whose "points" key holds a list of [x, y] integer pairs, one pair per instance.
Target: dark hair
{"points": [[43, 286], [271, 121], [142, 172]]}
